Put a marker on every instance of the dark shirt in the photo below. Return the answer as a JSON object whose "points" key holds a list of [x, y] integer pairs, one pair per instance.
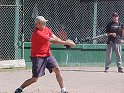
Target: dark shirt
{"points": [[114, 27]]}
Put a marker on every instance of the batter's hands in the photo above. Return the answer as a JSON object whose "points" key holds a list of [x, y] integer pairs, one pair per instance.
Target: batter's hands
{"points": [[70, 43]]}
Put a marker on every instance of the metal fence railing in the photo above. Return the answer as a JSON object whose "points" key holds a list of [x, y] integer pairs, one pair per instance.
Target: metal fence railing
{"points": [[77, 18]]}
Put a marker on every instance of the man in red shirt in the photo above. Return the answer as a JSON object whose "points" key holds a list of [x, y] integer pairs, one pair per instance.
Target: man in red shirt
{"points": [[41, 55]]}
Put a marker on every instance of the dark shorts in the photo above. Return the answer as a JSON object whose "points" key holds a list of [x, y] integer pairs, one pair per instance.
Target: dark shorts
{"points": [[39, 65]]}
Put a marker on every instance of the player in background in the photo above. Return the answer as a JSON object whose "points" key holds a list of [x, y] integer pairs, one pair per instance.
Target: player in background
{"points": [[114, 30]]}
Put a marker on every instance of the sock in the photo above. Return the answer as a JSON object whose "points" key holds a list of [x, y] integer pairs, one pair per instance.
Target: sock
{"points": [[62, 89]]}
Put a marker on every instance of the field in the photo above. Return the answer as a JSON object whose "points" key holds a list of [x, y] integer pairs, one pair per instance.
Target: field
{"points": [[77, 80]]}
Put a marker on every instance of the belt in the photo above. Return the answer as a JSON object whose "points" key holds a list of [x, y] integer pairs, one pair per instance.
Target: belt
{"points": [[36, 57]]}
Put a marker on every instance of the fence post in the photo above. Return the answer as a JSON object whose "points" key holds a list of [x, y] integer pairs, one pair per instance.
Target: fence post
{"points": [[95, 20], [16, 28], [22, 31]]}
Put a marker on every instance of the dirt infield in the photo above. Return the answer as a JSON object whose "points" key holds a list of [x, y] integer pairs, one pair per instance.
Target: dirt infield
{"points": [[77, 80]]}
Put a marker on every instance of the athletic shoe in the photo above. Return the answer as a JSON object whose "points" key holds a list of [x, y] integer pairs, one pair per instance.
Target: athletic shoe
{"points": [[106, 69], [18, 90], [64, 92], [120, 70]]}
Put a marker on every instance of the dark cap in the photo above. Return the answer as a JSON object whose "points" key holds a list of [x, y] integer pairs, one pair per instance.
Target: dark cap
{"points": [[115, 14]]}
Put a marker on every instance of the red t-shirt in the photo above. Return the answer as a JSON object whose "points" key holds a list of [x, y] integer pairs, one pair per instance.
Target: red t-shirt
{"points": [[40, 45]]}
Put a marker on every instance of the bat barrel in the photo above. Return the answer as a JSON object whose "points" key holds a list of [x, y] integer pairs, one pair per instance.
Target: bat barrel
{"points": [[93, 38]]}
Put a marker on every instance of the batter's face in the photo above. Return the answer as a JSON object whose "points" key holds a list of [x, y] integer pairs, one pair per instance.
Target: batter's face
{"points": [[40, 25]]}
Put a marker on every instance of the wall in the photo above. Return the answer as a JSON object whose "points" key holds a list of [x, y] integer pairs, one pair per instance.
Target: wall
{"points": [[81, 55]]}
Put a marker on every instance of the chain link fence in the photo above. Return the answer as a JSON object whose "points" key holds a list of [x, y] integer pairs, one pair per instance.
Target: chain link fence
{"points": [[77, 18], [10, 29], [68, 19]]}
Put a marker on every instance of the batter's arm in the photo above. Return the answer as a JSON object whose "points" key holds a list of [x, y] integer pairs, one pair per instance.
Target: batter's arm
{"points": [[55, 40]]}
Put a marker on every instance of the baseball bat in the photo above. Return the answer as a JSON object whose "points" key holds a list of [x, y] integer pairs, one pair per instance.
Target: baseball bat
{"points": [[93, 38]]}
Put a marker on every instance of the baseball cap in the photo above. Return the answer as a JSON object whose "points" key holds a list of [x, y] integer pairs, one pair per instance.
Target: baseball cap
{"points": [[40, 19], [115, 14]]}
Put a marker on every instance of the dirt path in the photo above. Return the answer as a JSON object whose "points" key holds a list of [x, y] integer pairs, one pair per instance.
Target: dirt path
{"points": [[77, 80]]}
